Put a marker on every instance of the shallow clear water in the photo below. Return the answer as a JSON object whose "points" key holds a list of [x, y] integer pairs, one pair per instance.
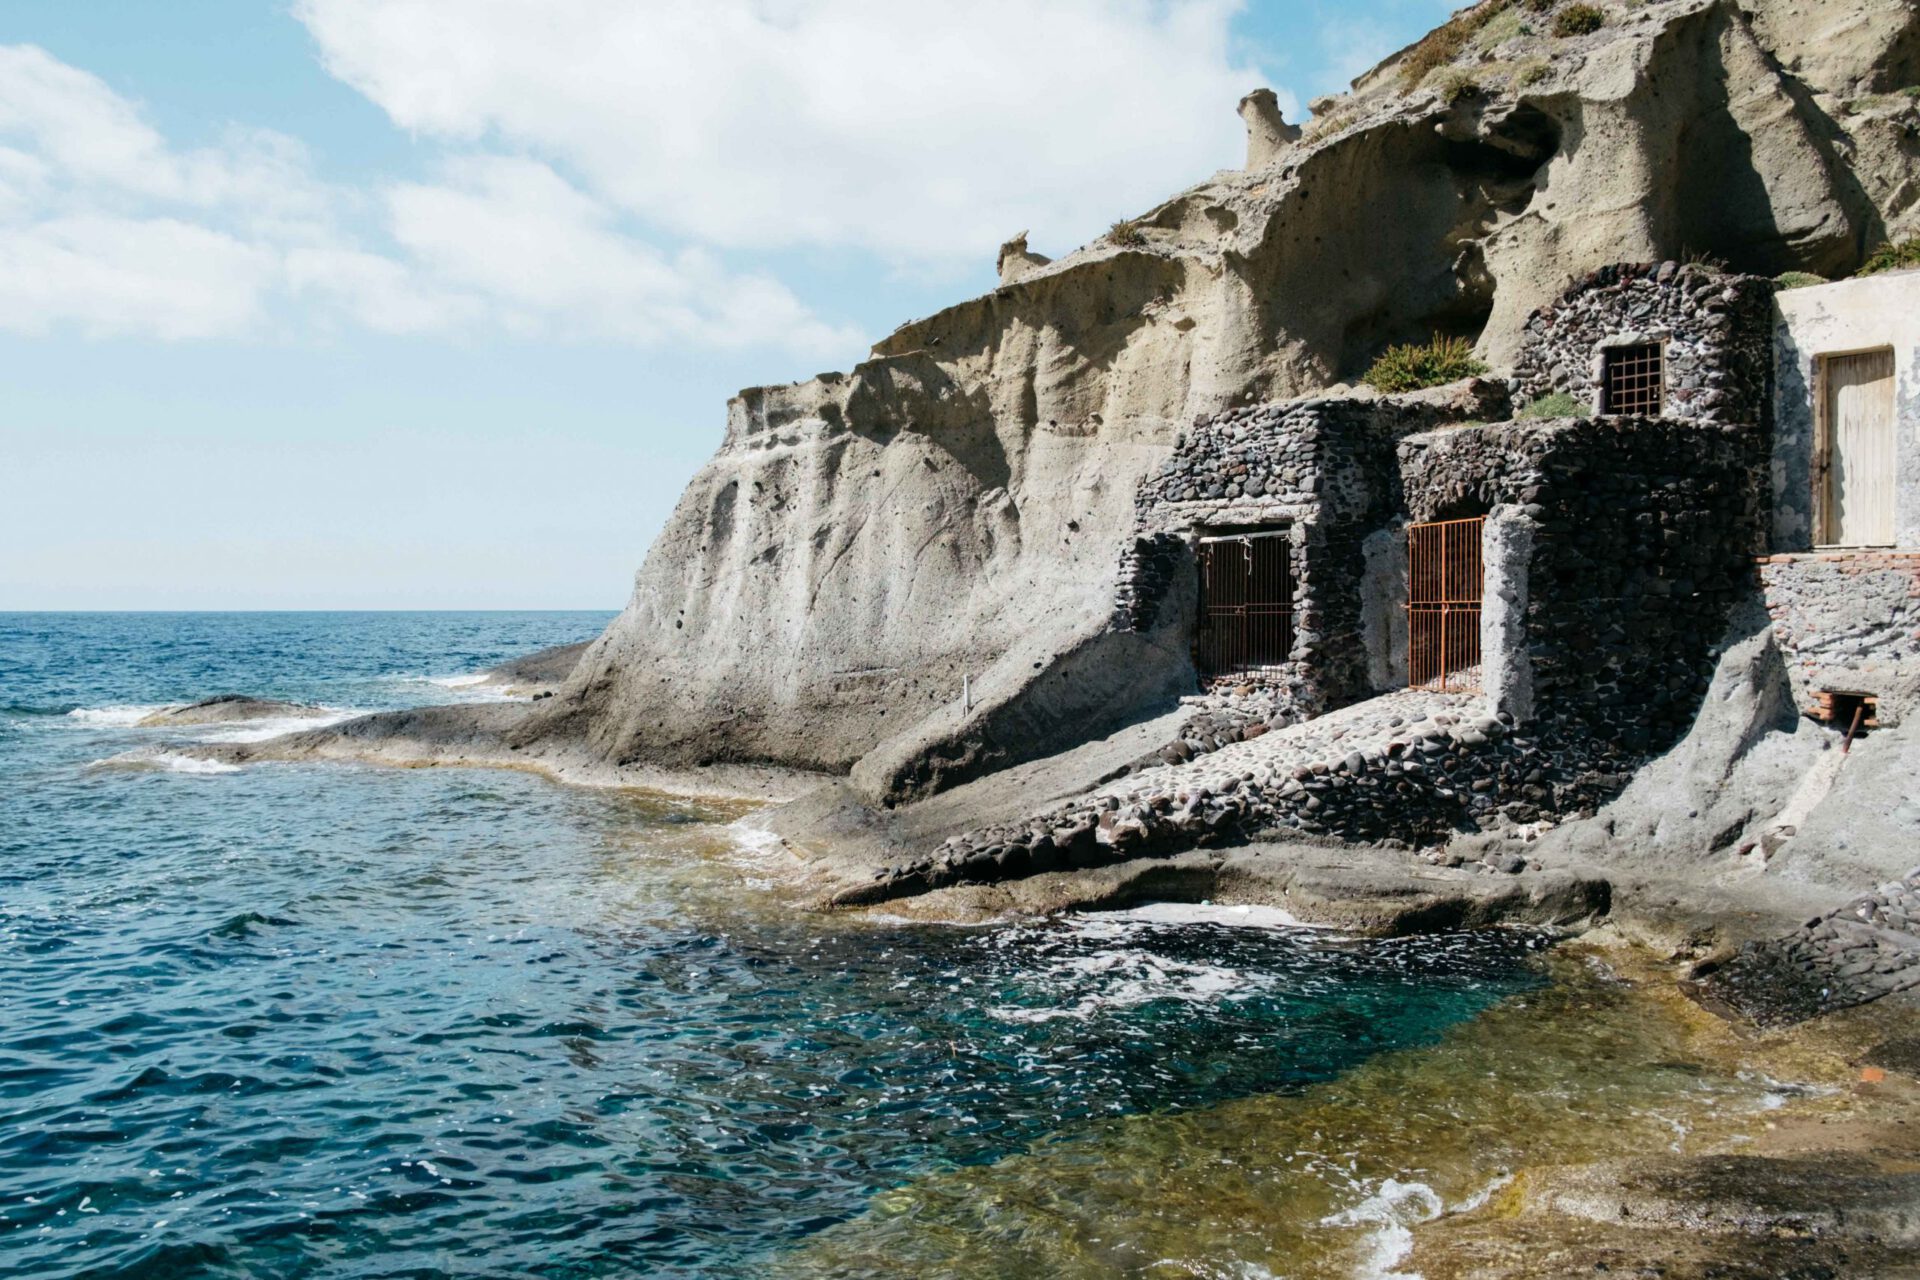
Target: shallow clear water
{"points": [[335, 1021]]}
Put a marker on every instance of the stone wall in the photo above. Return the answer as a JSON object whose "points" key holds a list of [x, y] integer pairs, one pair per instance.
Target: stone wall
{"points": [[1640, 541], [1853, 315], [1849, 621], [1621, 548], [1716, 329], [1325, 469]]}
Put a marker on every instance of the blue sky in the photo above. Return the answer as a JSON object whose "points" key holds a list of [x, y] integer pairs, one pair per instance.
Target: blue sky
{"points": [[437, 303]]}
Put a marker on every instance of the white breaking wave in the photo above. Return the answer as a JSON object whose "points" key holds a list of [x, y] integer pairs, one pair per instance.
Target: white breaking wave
{"points": [[274, 727], [1122, 975], [1126, 979], [477, 686], [757, 841], [123, 716], [1247, 917], [1391, 1213], [163, 762]]}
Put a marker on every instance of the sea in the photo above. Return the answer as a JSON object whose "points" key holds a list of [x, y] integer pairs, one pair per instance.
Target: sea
{"points": [[325, 1020]]}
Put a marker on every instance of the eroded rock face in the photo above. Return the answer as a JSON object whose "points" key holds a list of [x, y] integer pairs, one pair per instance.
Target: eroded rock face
{"points": [[914, 563]]}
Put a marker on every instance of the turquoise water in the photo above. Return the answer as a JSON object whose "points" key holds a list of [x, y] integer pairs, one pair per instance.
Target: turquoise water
{"points": [[335, 1021]]}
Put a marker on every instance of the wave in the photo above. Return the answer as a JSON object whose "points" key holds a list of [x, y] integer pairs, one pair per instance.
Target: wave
{"points": [[1118, 979], [1179, 913], [121, 716], [238, 729], [477, 686], [275, 726], [163, 762], [1391, 1213]]}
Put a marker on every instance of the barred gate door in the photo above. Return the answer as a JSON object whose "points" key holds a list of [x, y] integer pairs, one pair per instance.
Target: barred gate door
{"points": [[1246, 603], [1445, 582]]}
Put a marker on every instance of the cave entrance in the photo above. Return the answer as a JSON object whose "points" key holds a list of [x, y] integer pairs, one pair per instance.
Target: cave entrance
{"points": [[1246, 602], [1446, 581]]}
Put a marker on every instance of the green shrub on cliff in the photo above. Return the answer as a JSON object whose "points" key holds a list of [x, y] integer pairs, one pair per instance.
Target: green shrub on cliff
{"points": [[1412, 368], [1798, 280], [1893, 257], [1578, 20]]}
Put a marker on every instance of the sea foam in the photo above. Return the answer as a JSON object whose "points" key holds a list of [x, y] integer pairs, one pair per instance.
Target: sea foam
{"points": [[163, 762], [122, 716], [275, 726], [1239, 917], [1390, 1214]]}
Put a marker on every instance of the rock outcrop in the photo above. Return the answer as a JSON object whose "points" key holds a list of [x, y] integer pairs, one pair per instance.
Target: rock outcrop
{"points": [[913, 564], [231, 708]]}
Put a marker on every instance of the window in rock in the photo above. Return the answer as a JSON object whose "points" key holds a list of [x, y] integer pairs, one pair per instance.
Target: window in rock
{"points": [[1446, 579], [1246, 603], [1634, 381]]}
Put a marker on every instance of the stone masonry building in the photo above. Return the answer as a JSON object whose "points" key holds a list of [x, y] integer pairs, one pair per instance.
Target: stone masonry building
{"points": [[1560, 579]]}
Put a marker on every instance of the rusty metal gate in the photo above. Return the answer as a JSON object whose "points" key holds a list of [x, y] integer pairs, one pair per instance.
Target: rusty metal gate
{"points": [[1246, 603], [1445, 582]]}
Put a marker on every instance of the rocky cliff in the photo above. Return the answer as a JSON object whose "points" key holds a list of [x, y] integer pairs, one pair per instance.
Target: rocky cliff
{"points": [[908, 571]]}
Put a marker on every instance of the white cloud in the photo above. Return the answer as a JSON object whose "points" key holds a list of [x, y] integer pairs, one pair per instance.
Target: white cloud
{"points": [[605, 166], [112, 276], [106, 228], [514, 231], [917, 131]]}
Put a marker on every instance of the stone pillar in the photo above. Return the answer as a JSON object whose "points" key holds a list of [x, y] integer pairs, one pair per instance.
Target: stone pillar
{"points": [[1268, 133], [1383, 609], [1017, 261], [1506, 661]]}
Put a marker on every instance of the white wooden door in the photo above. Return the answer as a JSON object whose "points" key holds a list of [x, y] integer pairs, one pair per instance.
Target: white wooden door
{"points": [[1858, 499]]}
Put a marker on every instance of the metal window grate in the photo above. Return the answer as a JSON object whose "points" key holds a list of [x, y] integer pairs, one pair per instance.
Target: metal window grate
{"points": [[1446, 579], [1246, 604], [1636, 381]]}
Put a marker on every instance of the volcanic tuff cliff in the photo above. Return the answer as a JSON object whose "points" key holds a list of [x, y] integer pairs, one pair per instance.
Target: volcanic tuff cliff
{"points": [[951, 514]]}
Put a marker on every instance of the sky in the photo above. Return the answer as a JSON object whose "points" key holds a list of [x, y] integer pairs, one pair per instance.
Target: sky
{"points": [[327, 304]]}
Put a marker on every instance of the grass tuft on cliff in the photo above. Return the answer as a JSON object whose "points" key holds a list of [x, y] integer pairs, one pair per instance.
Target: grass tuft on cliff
{"points": [[1448, 41], [1413, 368], [1798, 280], [1578, 20], [1126, 233], [1557, 405], [1893, 257], [1456, 85]]}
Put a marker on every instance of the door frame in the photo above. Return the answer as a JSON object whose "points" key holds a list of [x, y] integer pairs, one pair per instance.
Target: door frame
{"points": [[1451, 617], [1282, 612], [1822, 478]]}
